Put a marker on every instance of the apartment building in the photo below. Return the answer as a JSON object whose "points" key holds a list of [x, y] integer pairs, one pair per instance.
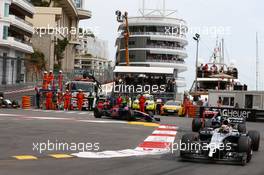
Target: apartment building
{"points": [[15, 39], [93, 55], [57, 25]]}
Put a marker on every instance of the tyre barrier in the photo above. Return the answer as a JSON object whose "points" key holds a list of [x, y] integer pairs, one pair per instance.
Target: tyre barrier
{"points": [[26, 102]]}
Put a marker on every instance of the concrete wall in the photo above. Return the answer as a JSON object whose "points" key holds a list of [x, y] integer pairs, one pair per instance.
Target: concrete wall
{"points": [[45, 17], [45, 44]]}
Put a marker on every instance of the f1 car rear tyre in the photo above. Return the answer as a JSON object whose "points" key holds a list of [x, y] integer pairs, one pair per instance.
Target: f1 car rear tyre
{"points": [[244, 146], [242, 128], [255, 138], [128, 116], [196, 125], [97, 114]]}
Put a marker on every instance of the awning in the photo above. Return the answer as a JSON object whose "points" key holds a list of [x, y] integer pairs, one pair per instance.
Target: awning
{"points": [[148, 70]]}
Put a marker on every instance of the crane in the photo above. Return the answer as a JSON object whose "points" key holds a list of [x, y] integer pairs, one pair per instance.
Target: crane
{"points": [[124, 19]]}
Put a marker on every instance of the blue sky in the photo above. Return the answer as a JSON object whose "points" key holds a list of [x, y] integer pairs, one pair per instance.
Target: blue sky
{"points": [[240, 18]]}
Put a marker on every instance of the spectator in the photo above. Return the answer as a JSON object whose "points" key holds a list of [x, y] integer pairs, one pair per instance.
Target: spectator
{"points": [[37, 97], [142, 101], [219, 102], [205, 104], [119, 100]]}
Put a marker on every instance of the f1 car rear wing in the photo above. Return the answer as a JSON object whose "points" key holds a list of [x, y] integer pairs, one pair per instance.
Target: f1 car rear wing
{"points": [[233, 116]]}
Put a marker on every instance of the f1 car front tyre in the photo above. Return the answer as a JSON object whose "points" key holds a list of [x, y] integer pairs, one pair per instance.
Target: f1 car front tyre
{"points": [[255, 138], [244, 146], [242, 128], [196, 125]]}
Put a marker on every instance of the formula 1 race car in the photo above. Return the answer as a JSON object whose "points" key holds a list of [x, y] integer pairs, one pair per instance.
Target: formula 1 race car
{"points": [[104, 108], [220, 144], [215, 120], [6, 103], [238, 123]]}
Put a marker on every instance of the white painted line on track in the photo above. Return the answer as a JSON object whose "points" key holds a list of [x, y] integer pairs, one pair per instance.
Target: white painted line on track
{"points": [[71, 112], [83, 113], [48, 118], [13, 115], [59, 111]]}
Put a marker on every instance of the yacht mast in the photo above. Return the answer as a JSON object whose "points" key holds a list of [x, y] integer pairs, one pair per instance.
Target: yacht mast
{"points": [[223, 52], [257, 61]]}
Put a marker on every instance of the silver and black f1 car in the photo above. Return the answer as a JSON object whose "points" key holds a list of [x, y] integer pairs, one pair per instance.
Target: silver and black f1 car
{"points": [[238, 123], [221, 142]]}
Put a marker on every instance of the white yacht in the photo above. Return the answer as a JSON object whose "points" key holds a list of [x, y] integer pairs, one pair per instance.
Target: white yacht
{"points": [[216, 75]]}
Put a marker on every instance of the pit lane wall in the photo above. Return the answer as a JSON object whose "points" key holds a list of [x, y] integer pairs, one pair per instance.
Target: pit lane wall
{"points": [[253, 115]]}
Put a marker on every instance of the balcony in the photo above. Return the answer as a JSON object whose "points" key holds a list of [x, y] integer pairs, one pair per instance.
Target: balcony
{"points": [[166, 47], [164, 61], [159, 33], [84, 14], [21, 24], [24, 5], [17, 44], [160, 36], [69, 7], [180, 66], [161, 51]]}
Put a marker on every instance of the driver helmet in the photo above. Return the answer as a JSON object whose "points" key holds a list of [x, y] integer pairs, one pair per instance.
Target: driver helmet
{"points": [[216, 120], [226, 122]]}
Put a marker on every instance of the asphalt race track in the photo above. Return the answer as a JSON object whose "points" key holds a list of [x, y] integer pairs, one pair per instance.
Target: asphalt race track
{"points": [[19, 129]]}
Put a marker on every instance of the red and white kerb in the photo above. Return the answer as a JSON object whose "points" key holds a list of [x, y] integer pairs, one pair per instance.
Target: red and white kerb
{"points": [[160, 140]]}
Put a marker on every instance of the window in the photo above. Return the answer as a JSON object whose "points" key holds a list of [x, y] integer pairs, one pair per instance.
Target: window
{"points": [[132, 56], [5, 33], [6, 10], [228, 101], [131, 43], [78, 3], [256, 101]]}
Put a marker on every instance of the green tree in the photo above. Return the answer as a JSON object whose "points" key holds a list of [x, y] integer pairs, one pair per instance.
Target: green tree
{"points": [[36, 63], [59, 50]]}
